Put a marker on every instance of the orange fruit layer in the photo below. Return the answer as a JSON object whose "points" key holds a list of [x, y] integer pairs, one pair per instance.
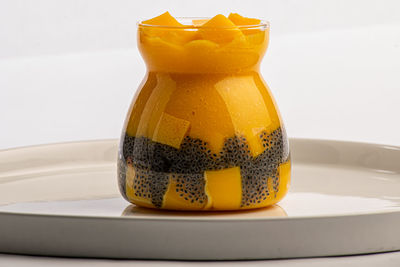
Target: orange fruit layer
{"points": [[219, 44]]}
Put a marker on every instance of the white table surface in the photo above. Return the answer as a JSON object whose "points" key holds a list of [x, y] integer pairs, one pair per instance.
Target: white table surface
{"points": [[341, 84]]}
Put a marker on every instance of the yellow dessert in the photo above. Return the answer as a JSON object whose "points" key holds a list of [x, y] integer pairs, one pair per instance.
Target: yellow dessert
{"points": [[203, 132]]}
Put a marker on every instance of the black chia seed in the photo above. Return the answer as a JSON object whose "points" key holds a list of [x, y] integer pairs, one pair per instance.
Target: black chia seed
{"points": [[154, 162]]}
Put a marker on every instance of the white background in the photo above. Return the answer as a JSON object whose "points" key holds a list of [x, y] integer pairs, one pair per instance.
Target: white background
{"points": [[69, 69]]}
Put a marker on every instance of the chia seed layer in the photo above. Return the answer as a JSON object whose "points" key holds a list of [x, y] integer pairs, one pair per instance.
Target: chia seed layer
{"points": [[155, 162]]}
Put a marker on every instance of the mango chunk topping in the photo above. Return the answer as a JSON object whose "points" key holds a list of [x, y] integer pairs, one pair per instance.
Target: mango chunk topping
{"points": [[227, 30], [199, 22], [164, 19], [216, 44], [242, 21]]}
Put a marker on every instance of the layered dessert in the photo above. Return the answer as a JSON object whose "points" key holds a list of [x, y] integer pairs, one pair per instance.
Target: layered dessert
{"points": [[203, 131]]}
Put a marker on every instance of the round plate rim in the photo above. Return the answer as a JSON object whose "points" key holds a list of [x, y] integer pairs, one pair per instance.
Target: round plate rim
{"points": [[202, 219]]}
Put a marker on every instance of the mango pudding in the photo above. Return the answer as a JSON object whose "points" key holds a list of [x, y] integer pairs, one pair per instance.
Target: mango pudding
{"points": [[203, 131]]}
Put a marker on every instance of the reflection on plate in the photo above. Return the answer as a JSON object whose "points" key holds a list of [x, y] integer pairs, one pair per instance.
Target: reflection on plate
{"points": [[272, 211]]}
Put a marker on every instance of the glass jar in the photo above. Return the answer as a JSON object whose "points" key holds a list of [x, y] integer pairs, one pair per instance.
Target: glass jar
{"points": [[203, 131]]}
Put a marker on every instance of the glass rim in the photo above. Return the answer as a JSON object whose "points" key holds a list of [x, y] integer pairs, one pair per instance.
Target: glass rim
{"points": [[263, 24]]}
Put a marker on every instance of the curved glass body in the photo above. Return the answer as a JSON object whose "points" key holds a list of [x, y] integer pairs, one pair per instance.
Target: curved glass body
{"points": [[203, 131]]}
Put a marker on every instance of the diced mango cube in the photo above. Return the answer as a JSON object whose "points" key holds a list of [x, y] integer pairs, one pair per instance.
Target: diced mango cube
{"points": [[220, 30], [177, 34], [170, 130], [242, 21], [164, 19], [284, 176], [199, 22], [224, 189]]}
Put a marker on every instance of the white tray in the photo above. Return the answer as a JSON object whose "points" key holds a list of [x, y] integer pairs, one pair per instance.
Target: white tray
{"points": [[63, 200]]}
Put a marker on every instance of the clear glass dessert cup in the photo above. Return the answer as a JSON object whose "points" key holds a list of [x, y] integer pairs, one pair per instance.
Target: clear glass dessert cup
{"points": [[203, 131]]}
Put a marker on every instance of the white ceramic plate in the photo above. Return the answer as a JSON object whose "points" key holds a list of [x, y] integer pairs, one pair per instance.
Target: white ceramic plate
{"points": [[63, 200]]}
